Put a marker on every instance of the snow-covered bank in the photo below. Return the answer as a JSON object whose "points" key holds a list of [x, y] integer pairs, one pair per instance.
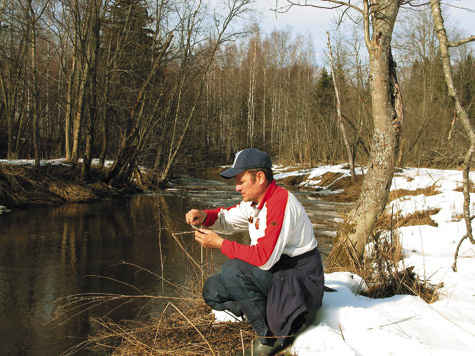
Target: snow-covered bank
{"points": [[350, 324]]}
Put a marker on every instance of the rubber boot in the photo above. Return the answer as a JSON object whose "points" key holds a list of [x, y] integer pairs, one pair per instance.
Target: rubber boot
{"points": [[258, 349]]}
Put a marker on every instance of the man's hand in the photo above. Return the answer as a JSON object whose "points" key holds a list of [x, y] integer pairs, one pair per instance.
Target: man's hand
{"points": [[195, 217], [208, 238]]}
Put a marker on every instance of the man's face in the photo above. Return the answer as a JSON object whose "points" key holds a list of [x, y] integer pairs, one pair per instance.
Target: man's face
{"points": [[251, 190]]}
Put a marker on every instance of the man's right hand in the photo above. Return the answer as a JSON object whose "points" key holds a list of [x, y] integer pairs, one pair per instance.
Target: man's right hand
{"points": [[195, 217]]}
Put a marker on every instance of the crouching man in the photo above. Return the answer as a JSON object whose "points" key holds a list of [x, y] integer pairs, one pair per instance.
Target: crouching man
{"points": [[277, 280]]}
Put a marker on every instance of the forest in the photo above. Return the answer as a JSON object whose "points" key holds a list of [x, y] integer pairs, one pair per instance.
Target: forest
{"points": [[171, 84]]}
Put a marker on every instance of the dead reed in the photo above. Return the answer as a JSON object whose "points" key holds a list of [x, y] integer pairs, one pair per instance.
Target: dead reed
{"points": [[386, 275], [427, 191], [186, 326]]}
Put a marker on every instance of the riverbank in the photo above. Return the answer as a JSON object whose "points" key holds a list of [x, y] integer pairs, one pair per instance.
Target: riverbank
{"points": [[56, 182], [53, 183]]}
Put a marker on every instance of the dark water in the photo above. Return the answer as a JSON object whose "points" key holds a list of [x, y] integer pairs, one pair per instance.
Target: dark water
{"points": [[122, 247]]}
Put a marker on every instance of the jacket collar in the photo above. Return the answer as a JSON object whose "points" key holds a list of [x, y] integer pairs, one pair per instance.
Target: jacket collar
{"points": [[270, 189]]}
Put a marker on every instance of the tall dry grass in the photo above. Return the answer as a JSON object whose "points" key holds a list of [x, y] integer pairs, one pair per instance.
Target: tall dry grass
{"points": [[382, 267], [186, 326]]}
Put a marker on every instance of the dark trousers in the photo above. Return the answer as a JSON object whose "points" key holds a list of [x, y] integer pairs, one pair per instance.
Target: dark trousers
{"points": [[241, 288]]}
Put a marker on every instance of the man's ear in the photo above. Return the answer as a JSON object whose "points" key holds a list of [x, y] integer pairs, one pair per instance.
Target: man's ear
{"points": [[261, 177]]}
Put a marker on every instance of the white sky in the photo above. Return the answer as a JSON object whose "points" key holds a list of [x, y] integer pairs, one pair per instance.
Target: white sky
{"points": [[317, 22]]}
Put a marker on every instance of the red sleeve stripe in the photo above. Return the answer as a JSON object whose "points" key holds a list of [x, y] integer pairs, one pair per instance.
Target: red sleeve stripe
{"points": [[211, 216]]}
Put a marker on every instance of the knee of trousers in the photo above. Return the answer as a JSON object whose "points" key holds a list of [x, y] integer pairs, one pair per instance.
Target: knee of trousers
{"points": [[212, 287], [233, 273]]}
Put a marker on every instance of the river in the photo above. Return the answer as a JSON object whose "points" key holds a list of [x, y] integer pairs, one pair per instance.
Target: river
{"points": [[53, 256]]}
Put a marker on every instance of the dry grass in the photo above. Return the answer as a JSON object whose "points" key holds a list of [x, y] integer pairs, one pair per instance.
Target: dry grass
{"points": [[383, 267], [421, 217], [351, 189], [471, 190], [399, 193], [294, 181], [183, 329], [186, 326], [385, 273]]}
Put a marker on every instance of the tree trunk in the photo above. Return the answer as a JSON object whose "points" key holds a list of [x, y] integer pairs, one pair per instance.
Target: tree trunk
{"points": [[349, 151], [92, 52], [11, 152], [460, 114], [351, 240], [70, 106]]}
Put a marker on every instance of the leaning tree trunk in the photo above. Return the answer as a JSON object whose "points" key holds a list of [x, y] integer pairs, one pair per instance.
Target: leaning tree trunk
{"points": [[351, 240], [460, 114]]}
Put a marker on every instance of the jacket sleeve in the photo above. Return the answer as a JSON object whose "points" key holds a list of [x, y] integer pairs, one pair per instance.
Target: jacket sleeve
{"points": [[233, 218]]}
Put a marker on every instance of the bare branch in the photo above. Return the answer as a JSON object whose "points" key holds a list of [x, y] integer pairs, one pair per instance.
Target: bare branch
{"points": [[461, 42], [367, 36], [336, 4]]}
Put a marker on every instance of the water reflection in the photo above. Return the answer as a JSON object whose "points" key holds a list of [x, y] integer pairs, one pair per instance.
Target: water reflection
{"points": [[47, 254]]}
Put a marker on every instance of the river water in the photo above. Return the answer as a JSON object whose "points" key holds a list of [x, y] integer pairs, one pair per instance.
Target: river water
{"points": [[51, 257]]}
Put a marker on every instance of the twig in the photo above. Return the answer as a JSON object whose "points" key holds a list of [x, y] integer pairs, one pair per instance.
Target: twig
{"points": [[181, 246], [395, 322], [341, 331]]}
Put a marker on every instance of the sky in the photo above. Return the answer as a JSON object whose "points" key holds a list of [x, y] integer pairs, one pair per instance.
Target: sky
{"points": [[349, 324], [316, 22]]}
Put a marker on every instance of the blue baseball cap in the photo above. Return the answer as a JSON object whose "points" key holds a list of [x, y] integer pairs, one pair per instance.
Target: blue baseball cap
{"points": [[247, 159]]}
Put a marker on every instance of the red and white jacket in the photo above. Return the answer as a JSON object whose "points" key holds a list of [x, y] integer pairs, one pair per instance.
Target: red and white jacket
{"points": [[278, 225]]}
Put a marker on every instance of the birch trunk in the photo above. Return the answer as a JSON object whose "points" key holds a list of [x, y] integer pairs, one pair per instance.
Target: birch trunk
{"points": [[386, 99]]}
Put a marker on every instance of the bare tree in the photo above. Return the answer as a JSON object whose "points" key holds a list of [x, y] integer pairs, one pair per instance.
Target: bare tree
{"points": [[235, 9], [379, 17], [460, 114], [92, 49], [33, 14]]}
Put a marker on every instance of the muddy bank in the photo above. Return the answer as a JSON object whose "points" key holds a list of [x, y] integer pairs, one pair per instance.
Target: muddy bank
{"points": [[26, 186]]}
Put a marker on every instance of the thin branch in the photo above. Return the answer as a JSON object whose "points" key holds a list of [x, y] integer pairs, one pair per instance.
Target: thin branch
{"points": [[461, 42], [337, 4]]}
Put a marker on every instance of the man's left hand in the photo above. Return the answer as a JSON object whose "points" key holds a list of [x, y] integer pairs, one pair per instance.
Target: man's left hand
{"points": [[208, 238]]}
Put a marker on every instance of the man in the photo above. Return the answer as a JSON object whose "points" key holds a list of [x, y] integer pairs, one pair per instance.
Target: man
{"points": [[276, 280]]}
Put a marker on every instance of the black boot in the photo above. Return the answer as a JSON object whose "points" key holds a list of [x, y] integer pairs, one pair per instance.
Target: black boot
{"points": [[258, 349]]}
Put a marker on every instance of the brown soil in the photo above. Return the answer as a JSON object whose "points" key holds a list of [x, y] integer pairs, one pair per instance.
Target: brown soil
{"points": [[50, 185]]}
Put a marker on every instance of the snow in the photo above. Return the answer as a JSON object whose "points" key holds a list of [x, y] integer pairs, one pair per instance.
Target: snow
{"points": [[351, 324]]}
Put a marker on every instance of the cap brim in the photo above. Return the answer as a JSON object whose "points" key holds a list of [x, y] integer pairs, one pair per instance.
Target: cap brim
{"points": [[231, 172]]}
